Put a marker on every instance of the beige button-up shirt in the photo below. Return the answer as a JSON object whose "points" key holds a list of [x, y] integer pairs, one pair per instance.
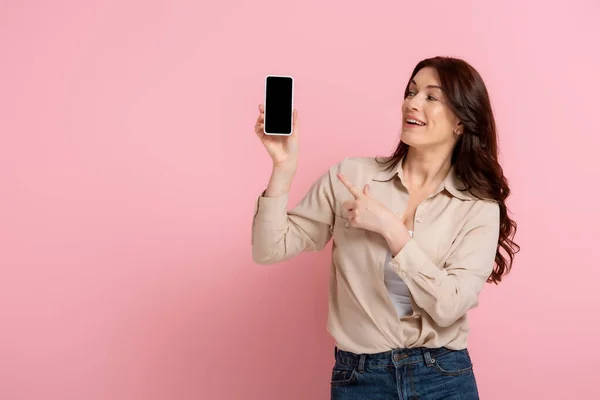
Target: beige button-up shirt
{"points": [[445, 265]]}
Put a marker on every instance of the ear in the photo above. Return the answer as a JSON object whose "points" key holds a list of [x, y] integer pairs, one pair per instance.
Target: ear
{"points": [[459, 128]]}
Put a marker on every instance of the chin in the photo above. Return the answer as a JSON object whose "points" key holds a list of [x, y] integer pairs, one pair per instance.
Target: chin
{"points": [[416, 144], [409, 138]]}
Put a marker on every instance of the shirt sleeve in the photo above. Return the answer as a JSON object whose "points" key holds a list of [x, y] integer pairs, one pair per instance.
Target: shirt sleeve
{"points": [[278, 234], [446, 294]]}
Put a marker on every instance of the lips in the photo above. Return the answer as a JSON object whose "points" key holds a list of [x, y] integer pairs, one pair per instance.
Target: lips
{"points": [[411, 120]]}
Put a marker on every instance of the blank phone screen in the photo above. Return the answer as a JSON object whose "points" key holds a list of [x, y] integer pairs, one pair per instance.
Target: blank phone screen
{"points": [[278, 105]]}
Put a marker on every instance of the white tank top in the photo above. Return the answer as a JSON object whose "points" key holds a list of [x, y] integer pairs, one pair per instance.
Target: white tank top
{"points": [[396, 287]]}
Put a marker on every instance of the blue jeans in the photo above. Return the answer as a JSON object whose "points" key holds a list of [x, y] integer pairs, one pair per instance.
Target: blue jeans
{"points": [[404, 374]]}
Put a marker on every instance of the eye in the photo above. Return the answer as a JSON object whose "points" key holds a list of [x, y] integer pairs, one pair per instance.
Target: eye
{"points": [[431, 98], [410, 93]]}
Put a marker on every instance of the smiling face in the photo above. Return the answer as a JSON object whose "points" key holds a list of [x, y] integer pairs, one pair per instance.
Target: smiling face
{"points": [[427, 121]]}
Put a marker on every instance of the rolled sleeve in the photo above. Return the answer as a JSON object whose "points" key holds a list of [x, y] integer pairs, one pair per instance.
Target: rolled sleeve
{"points": [[278, 234], [446, 294], [270, 209]]}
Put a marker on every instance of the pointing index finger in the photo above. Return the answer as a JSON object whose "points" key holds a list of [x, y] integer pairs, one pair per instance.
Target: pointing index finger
{"points": [[355, 192]]}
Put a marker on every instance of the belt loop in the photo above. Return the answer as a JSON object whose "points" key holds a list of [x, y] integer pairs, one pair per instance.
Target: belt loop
{"points": [[427, 357], [335, 349], [361, 363]]}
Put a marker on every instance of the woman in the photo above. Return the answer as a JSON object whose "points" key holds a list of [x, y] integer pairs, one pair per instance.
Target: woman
{"points": [[415, 238]]}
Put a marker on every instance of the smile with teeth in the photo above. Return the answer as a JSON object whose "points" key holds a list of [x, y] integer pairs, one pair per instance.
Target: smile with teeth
{"points": [[415, 122]]}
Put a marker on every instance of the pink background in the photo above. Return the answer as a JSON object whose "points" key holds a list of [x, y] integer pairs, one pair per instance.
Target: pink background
{"points": [[129, 170]]}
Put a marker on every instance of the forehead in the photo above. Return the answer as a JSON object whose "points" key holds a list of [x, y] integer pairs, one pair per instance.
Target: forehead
{"points": [[426, 76]]}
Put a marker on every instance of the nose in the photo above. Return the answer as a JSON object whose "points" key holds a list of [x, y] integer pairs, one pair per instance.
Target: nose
{"points": [[412, 103]]}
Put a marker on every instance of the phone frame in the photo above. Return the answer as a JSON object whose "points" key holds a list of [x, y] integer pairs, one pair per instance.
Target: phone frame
{"points": [[292, 111]]}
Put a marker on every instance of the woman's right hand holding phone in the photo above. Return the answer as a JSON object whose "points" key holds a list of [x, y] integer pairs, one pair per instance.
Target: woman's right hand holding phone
{"points": [[284, 153], [282, 149]]}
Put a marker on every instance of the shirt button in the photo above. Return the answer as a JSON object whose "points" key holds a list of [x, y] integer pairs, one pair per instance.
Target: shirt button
{"points": [[418, 219], [347, 224]]}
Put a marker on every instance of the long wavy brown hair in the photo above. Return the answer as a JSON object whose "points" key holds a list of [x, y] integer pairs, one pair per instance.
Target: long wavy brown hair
{"points": [[475, 155]]}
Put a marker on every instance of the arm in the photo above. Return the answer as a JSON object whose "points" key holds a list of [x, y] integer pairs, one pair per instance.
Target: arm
{"points": [[278, 234], [446, 294]]}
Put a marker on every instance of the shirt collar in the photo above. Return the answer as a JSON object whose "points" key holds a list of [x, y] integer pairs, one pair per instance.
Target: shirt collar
{"points": [[452, 184]]}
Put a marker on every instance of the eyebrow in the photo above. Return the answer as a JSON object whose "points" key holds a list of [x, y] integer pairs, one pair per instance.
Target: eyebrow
{"points": [[428, 86]]}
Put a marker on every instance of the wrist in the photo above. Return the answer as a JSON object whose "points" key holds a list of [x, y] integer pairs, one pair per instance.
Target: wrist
{"points": [[286, 169], [280, 182], [396, 235]]}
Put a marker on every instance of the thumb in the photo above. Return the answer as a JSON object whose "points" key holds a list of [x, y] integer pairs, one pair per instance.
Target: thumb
{"points": [[295, 123], [367, 190]]}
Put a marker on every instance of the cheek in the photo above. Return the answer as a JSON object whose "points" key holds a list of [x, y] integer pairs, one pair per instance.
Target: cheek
{"points": [[440, 120]]}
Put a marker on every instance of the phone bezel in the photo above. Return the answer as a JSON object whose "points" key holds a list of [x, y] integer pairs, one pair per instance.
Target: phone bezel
{"points": [[292, 110]]}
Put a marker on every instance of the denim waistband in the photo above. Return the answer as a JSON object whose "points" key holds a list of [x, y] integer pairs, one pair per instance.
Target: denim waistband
{"points": [[391, 358]]}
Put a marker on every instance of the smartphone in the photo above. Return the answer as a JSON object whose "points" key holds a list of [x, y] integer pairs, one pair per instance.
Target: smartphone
{"points": [[279, 105]]}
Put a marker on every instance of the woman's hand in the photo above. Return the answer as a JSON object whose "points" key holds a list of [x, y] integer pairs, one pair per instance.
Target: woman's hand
{"points": [[282, 149], [368, 213], [364, 211]]}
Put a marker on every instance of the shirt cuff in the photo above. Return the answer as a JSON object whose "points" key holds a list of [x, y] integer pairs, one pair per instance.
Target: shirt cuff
{"points": [[269, 209], [410, 260]]}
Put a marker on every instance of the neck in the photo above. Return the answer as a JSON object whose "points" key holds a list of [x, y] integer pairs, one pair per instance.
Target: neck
{"points": [[426, 169]]}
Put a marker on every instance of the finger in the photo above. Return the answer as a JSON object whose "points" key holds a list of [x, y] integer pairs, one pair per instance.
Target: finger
{"points": [[259, 129], [354, 220], [355, 192], [351, 188], [349, 205], [261, 108]]}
